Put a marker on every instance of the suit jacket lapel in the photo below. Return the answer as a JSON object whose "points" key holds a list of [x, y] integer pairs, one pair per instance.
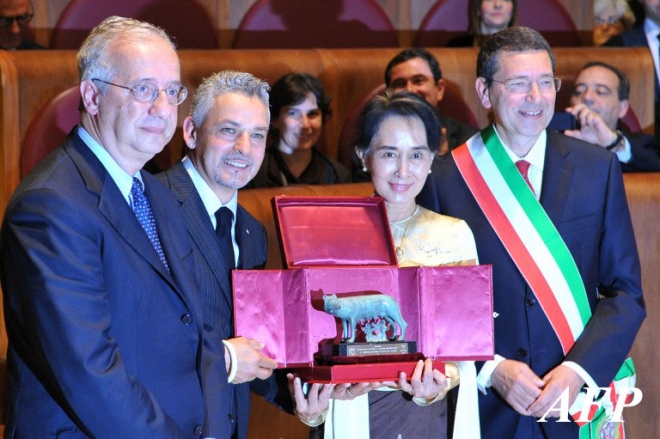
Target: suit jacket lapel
{"points": [[557, 175], [199, 225], [112, 203]]}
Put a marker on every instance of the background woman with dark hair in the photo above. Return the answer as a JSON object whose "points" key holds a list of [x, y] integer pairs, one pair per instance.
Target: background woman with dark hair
{"points": [[298, 107], [486, 18]]}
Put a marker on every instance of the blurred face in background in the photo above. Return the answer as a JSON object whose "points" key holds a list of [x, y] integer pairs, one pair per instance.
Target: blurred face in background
{"points": [[299, 126], [15, 15], [652, 9], [416, 77], [606, 25], [597, 88], [495, 15]]}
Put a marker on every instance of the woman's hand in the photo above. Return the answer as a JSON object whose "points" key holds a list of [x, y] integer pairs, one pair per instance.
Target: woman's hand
{"points": [[348, 391], [310, 407], [426, 382]]}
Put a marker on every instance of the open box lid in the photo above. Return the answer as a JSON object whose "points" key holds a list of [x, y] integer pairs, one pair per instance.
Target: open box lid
{"points": [[334, 231]]}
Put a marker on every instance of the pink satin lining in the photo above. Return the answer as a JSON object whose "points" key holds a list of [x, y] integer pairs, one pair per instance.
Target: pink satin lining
{"points": [[448, 309], [334, 231]]}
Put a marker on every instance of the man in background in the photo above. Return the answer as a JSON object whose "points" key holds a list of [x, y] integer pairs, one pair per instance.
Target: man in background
{"points": [[418, 71], [15, 17], [599, 101], [645, 34]]}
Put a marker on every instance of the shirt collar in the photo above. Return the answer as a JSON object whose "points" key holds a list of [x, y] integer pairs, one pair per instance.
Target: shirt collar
{"points": [[651, 28], [123, 181], [209, 198], [535, 156]]}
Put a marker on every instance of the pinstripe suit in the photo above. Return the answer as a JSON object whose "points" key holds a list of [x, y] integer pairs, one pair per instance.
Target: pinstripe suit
{"points": [[215, 285]]}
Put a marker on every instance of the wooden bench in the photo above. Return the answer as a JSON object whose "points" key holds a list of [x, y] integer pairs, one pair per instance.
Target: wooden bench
{"points": [[29, 79]]}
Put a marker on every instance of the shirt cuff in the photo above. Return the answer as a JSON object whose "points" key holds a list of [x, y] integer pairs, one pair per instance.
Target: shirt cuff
{"points": [[315, 422], [233, 361], [588, 381], [483, 378], [625, 154]]}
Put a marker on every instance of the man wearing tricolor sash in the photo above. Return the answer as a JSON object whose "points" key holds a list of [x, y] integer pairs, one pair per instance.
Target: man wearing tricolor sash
{"points": [[550, 214]]}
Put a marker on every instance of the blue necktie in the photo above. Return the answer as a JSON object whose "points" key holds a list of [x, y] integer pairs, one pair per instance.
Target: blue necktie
{"points": [[146, 218], [224, 218]]}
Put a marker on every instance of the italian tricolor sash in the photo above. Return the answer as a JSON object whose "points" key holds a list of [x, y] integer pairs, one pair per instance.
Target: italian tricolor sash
{"points": [[528, 234]]}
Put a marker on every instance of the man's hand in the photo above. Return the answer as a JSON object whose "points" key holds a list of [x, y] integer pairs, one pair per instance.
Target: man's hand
{"points": [[425, 381], [517, 384], [251, 363], [310, 408], [593, 128], [556, 382]]}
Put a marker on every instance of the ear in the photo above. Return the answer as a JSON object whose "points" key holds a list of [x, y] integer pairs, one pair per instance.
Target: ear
{"points": [[624, 106], [89, 94], [441, 89], [189, 133], [362, 156], [483, 92]]}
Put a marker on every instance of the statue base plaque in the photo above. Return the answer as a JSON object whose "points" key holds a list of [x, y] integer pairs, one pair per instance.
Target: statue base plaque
{"points": [[369, 349]]}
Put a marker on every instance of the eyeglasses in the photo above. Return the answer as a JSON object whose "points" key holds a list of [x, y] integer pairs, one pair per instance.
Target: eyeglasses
{"points": [[146, 92], [21, 20], [601, 21], [525, 85]]}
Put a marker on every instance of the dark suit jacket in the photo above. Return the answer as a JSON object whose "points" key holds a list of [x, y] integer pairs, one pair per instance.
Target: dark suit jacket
{"points": [[584, 197], [645, 156], [215, 285], [103, 341]]}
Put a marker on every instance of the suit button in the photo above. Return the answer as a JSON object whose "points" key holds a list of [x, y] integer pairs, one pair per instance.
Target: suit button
{"points": [[186, 319], [198, 430], [230, 418], [531, 301], [522, 353]]}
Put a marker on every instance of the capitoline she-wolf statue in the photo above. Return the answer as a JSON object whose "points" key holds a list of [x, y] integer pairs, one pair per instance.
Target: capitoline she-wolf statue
{"points": [[376, 311]]}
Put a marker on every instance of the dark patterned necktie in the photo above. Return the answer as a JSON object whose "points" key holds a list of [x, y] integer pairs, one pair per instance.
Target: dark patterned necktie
{"points": [[224, 218], [146, 218], [523, 167]]}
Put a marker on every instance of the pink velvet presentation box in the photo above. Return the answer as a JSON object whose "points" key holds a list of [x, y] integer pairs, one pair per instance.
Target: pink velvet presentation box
{"points": [[343, 245]]}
